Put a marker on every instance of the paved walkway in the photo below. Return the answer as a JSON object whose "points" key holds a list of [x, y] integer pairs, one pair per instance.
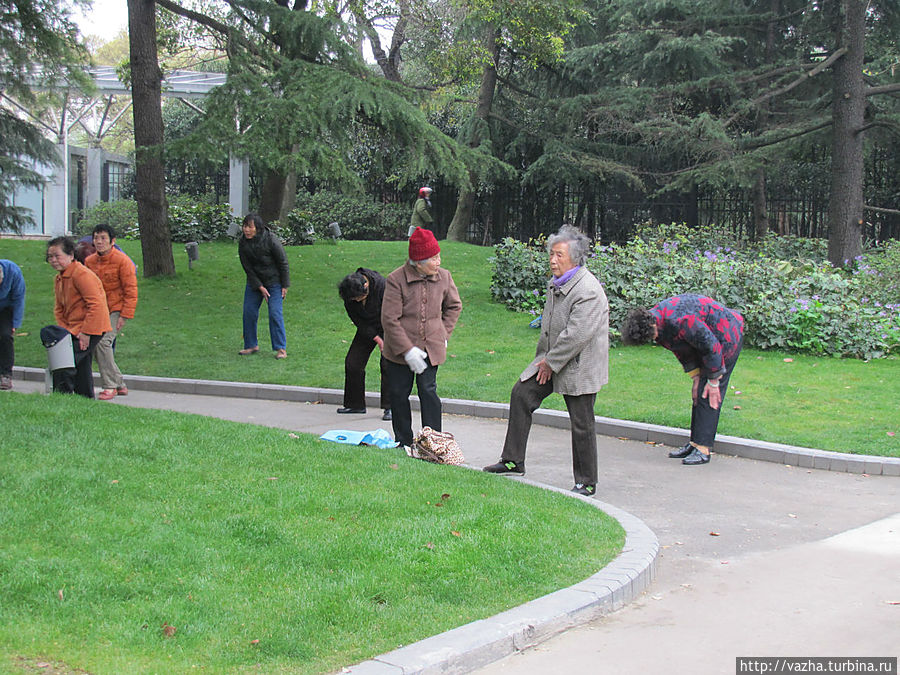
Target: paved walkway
{"points": [[756, 558]]}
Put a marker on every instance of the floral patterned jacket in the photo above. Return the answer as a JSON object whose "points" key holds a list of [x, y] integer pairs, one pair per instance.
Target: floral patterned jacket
{"points": [[703, 335]]}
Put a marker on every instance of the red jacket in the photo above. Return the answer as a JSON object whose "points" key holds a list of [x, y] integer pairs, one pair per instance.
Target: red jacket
{"points": [[116, 272], [80, 301]]}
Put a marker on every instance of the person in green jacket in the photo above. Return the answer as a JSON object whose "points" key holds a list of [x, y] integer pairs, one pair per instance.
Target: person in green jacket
{"points": [[421, 215]]}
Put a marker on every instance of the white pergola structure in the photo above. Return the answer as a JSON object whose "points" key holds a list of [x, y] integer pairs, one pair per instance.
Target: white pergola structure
{"points": [[96, 117]]}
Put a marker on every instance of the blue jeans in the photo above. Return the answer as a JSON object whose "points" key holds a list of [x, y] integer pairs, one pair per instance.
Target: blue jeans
{"points": [[252, 300]]}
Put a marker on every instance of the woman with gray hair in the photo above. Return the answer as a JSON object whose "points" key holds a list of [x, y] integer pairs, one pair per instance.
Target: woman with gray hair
{"points": [[571, 359]]}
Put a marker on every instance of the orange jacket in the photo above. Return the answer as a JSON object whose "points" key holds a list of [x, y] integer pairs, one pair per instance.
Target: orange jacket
{"points": [[80, 301], [116, 271]]}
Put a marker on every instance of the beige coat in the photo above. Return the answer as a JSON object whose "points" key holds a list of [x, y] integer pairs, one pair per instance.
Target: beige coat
{"points": [[574, 336], [418, 312]]}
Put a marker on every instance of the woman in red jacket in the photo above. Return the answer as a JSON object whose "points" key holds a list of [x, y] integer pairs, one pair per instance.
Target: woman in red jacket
{"points": [[81, 310]]}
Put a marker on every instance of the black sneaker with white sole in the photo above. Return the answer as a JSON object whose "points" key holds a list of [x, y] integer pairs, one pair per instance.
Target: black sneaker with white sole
{"points": [[586, 490], [508, 468]]}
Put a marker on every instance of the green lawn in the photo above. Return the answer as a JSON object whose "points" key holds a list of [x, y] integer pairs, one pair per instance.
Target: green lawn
{"points": [[190, 326], [264, 551]]}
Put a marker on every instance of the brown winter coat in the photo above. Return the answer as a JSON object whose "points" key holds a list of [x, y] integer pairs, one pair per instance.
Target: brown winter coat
{"points": [[419, 312]]}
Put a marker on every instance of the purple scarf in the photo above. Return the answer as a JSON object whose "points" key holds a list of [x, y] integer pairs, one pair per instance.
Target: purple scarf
{"points": [[559, 282]]}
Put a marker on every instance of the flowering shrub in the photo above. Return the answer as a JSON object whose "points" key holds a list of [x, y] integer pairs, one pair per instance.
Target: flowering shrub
{"points": [[793, 300]]}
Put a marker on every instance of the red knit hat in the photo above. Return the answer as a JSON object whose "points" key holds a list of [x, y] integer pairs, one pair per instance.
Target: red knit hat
{"points": [[423, 245]]}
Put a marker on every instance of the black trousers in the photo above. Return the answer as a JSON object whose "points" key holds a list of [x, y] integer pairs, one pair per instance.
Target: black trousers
{"points": [[526, 397], [704, 419], [400, 381], [7, 350], [355, 373], [80, 379]]}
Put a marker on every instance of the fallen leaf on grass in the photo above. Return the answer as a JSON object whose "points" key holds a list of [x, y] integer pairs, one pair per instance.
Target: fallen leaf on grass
{"points": [[788, 360], [395, 466], [429, 546], [59, 594], [455, 533], [490, 351], [168, 630], [272, 478], [891, 433], [737, 407], [113, 482], [42, 664], [445, 496], [293, 435], [254, 642]]}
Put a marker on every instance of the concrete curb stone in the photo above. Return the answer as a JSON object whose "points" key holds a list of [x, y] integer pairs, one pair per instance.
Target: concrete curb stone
{"points": [[807, 458]]}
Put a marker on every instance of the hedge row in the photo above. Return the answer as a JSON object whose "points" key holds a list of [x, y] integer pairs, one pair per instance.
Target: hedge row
{"points": [[789, 295]]}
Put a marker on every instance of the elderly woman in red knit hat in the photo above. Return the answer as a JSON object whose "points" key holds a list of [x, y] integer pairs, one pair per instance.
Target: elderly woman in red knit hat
{"points": [[418, 313]]}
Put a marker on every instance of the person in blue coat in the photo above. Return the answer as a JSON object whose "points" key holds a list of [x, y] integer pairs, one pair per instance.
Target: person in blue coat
{"points": [[12, 310]]}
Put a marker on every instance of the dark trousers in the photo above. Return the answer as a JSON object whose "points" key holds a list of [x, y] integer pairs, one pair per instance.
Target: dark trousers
{"points": [[7, 350], [705, 420], [526, 397], [80, 379], [355, 373], [400, 381]]}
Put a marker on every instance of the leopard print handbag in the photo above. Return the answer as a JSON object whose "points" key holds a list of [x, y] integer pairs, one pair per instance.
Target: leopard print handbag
{"points": [[439, 447]]}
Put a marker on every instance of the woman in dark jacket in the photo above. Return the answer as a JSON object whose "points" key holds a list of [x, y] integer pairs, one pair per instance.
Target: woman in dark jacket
{"points": [[268, 277], [362, 293]]}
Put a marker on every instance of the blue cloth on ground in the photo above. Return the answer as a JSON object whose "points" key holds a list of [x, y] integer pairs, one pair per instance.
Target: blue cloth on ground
{"points": [[379, 438]]}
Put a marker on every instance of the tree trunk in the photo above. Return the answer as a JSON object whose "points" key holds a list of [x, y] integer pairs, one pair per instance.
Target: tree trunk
{"points": [[150, 181], [760, 207], [459, 226], [760, 202], [845, 207], [271, 195]]}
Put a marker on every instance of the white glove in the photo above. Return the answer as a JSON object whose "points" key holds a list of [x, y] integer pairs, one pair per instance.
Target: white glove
{"points": [[415, 359]]}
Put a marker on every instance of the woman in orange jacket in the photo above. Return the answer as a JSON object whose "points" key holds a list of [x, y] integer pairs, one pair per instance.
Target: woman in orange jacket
{"points": [[81, 310]]}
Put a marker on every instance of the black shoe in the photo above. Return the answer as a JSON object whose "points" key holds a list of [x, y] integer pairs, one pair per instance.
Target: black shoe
{"points": [[387, 417], [344, 411], [506, 468], [696, 457], [682, 452], [586, 490]]}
